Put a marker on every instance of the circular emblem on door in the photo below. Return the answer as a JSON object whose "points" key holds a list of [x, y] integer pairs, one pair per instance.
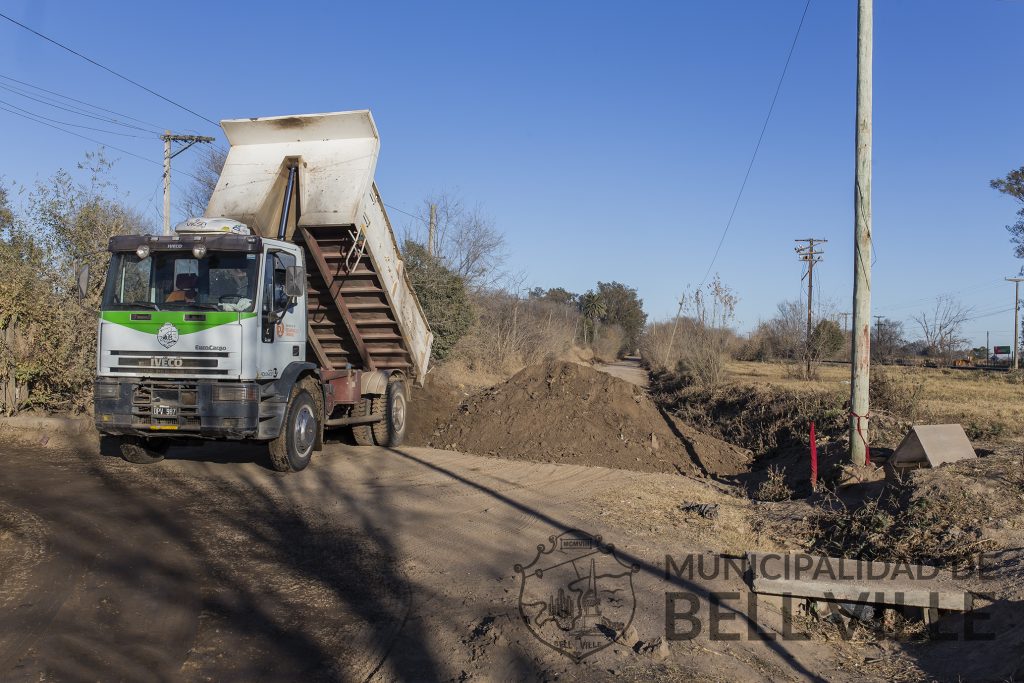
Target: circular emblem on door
{"points": [[167, 335]]}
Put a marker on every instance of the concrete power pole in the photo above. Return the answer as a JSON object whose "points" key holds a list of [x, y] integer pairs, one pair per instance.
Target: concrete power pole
{"points": [[168, 138], [1016, 318], [808, 255], [432, 229], [861, 352]]}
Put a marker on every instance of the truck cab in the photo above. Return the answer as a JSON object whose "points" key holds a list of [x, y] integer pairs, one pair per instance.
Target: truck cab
{"points": [[194, 328]]}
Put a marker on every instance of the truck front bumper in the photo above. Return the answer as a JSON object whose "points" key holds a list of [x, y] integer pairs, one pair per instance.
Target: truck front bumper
{"points": [[204, 409]]}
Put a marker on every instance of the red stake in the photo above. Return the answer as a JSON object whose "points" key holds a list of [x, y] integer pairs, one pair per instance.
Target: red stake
{"points": [[814, 460]]}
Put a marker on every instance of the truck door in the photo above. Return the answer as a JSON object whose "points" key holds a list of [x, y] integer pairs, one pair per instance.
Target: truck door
{"points": [[282, 332]]}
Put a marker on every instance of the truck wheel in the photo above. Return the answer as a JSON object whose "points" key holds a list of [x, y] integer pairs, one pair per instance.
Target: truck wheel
{"points": [[135, 450], [363, 434], [292, 450], [390, 431]]}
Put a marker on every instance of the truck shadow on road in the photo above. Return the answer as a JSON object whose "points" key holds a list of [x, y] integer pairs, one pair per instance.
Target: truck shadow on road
{"points": [[174, 571]]}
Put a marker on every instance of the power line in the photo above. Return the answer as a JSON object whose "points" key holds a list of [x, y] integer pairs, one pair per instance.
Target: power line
{"points": [[410, 215], [757, 147], [67, 123], [111, 71], [153, 128], [93, 140]]}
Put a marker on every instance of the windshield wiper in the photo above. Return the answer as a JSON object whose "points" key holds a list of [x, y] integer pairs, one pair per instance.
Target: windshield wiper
{"points": [[185, 304], [147, 304]]}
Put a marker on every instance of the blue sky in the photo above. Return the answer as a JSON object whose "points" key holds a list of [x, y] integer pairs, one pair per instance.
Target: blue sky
{"points": [[607, 140]]}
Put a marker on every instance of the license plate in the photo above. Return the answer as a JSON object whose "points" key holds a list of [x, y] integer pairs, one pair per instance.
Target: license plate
{"points": [[165, 411]]}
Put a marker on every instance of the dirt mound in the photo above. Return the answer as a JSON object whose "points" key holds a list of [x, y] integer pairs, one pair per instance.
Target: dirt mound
{"points": [[569, 413]]}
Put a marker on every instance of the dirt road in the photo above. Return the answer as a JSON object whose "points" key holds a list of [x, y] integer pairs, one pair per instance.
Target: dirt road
{"points": [[372, 564], [628, 369]]}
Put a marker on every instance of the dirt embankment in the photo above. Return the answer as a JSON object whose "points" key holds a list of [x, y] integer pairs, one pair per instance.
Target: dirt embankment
{"points": [[568, 413]]}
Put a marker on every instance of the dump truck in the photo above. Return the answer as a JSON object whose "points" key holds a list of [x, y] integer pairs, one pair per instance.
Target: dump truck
{"points": [[284, 311]]}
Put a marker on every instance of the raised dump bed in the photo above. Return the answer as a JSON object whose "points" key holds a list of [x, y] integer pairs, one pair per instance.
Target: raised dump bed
{"points": [[362, 311]]}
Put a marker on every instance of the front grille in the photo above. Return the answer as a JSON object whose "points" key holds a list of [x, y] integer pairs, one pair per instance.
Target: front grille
{"points": [[148, 396]]}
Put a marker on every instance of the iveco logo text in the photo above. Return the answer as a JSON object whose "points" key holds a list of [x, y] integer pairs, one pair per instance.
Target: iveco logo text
{"points": [[165, 362]]}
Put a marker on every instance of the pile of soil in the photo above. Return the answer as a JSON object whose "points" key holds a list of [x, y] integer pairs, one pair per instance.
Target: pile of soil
{"points": [[568, 413]]}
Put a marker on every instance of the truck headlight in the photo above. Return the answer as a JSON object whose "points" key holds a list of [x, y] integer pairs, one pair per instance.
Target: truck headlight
{"points": [[107, 390], [235, 392]]}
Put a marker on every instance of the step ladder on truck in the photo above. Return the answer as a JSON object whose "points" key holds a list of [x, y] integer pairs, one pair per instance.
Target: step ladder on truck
{"points": [[285, 311]]}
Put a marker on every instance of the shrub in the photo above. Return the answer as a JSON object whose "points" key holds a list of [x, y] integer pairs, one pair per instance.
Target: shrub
{"points": [[442, 295], [774, 488]]}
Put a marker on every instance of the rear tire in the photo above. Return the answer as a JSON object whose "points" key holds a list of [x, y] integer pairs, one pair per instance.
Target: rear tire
{"points": [[293, 448], [363, 434], [134, 449], [390, 432]]}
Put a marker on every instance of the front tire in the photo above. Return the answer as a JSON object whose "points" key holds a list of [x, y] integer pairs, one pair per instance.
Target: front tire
{"points": [[292, 450], [134, 449]]}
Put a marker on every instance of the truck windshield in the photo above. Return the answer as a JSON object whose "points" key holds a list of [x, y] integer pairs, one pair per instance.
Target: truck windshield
{"points": [[220, 281]]}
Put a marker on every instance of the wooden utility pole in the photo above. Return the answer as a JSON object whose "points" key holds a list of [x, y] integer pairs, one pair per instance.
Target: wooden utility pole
{"points": [[168, 138], [806, 253], [432, 229], [675, 326], [1016, 317], [861, 352], [167, 181]]}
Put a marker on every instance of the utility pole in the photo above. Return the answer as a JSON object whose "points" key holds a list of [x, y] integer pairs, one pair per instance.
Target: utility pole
{"points": [[675, 326], [878, 334], [432, 229], [806, 253], [1016, 316], [168, 137], [860, 366], [986, 348], [846, 322]]}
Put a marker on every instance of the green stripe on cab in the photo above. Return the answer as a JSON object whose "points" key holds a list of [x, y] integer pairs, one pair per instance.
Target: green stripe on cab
{"points": [[176, 318]]}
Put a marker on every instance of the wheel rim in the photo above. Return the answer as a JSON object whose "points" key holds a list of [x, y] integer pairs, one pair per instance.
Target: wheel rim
{"points": [[398, 412], [304, 432]]}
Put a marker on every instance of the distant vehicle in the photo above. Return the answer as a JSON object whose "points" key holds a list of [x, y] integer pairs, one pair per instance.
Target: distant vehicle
{"points": [[285, 311]]}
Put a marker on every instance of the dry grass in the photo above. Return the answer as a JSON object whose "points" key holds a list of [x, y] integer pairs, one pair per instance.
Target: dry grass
{"points": [[990, 405]]}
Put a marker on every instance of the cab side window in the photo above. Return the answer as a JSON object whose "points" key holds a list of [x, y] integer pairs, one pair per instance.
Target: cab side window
{"points": [[274, 298]]}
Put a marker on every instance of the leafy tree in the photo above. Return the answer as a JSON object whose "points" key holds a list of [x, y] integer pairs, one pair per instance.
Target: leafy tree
{"points": [[48, 337], [593, 308], [623, 308], [555, 295], [1013, 185], [443, 296]]}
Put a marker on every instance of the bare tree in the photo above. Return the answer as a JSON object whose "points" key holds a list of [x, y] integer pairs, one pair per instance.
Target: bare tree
{"points": [[887, 338], [466, 240], [206, 173], [942, 327]]}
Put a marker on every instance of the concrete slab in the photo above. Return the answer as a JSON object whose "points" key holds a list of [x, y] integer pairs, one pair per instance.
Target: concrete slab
{"points": [[894, 584], [931, 446]]}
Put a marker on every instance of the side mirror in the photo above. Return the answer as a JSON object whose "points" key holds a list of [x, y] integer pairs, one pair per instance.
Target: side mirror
{"points": [[83, 282], [295, 281]]}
